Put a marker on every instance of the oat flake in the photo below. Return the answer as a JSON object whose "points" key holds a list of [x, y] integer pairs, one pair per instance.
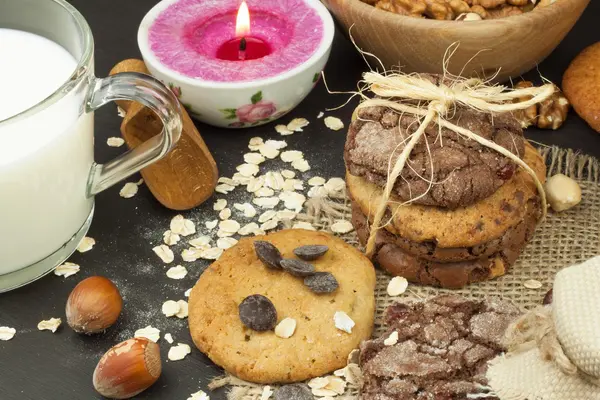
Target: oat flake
{"points": [[342, 226], [266, 202], [191, 254], [316, 181], [320, 115], [115, 141], [129, 190], [286, 328], [187, 292], [222, 233], [220, 204], [239, 179], [271, 224], [182, 226], [224, 188], [266, 393], [201, 242], [7, 333], [291, 156], [198, 396], [277, 144], [268, 151], [301, 165], [210, 225], [248, 170], [67, 269], [179, 352], [397, 286], [392, 339], [286, 214], [343, 322], [283, 130], [86, 244], [248, 229], [255, 184], [304, 225], [286, 173], [317, 191], [229, 225], [254, 143], [318, 383], [51, 324], [267, 215], [247, 209], [532, 284], [293, 200], [333, 123], [169, 338], [165, 253], [334, 185], [177, 272], [225, 214], [274, 180], [149, 333], [227, 181], [264, 192], [254, 158], [226, 243], [211, 254], [183, 309], [297, 124], [170, 308]]}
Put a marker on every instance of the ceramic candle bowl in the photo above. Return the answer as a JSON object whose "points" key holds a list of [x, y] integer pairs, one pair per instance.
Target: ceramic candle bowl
{"points": [[236, 94]]}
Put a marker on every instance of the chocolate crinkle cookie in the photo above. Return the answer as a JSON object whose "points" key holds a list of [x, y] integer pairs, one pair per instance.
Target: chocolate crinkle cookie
{"points": [[464, 171], [443, 347]]}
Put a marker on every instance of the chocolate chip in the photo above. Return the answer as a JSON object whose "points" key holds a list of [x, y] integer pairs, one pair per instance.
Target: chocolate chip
{"points": [[297, 267], [268, 254], [310, 252], [548, 298], [321, 282], [258, 313], [293, 392]]}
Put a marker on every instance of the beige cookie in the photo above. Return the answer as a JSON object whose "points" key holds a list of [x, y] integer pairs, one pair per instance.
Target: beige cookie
{"points": [[468, 226], [581, 85], [317, 347]]}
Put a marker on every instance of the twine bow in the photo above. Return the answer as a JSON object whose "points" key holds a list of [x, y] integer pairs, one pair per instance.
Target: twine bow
{"points": [[435, 102]]}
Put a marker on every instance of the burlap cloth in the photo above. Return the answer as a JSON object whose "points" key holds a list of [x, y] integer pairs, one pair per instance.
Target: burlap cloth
{"points": [[564, 239]]}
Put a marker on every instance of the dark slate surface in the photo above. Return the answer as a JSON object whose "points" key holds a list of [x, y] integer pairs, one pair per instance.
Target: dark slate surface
{"points": [[40, 365]]}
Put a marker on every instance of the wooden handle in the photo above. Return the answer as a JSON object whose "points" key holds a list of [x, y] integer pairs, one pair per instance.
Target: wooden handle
{"points": [[185, 177]]}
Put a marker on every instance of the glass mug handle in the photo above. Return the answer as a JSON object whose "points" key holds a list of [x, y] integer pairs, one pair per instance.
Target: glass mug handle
{"points": [[151, 93]]}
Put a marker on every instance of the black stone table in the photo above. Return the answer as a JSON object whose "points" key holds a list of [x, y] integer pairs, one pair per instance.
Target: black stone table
{"points": [[44, 366]]}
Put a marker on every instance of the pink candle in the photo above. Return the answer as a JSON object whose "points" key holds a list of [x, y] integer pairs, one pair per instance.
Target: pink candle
{"points": [[198, 38]]}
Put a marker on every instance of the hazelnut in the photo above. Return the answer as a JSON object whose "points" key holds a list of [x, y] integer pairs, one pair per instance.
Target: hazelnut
{"points": [[562, 192], [94, 305], [128, 369]]}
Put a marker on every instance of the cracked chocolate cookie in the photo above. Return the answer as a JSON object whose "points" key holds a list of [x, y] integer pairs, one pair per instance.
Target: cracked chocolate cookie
{"points": [[470, 226], [316, 347], [443, 347], [462, 171]]}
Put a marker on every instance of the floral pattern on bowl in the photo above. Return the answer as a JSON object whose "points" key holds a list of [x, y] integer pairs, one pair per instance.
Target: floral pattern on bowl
{"points": [[178, 93], [257, 112]]}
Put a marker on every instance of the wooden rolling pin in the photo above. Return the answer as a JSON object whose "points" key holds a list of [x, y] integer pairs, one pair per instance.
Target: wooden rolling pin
{"points": [[188, 174]]}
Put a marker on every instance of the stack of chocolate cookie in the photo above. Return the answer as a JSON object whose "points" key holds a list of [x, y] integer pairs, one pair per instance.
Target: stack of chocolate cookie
{"points": [[460, 212]]}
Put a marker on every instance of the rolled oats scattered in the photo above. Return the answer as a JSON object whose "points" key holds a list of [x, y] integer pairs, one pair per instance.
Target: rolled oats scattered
{"points": [[86, 244], [283, 130], [248, 170], [255, 184], [293, 200], [277, 144], [304, 225], [149, 333], [169, 338], [199, 396], [267, 215], [266, 393], [286, 328], [343, 322], [271, 224], [248, 229], [7, 333], [129, 190], [115, 141], [225, 214], [211, 254], [227, 181], [301, 165], [316, 181], [51, 324], [219, 204], [397, 286], [333, 123], [165, 253], [170, 308], [342, 226], [67, 269], [226, 243], [254, 143], [320, 115], [224, 188], [177, 272], [191, 254], [183, 309], [268, 151], [229, 225], [286, 173], [291, 156], [182, 226], [266, 202], [210, 225], [254, 158], [297, 124], [334, 185], [532, 284], [170, 238], [264, 192], [179, 352], [392, 339], [318, 383], [286, 214], [201, 242]]}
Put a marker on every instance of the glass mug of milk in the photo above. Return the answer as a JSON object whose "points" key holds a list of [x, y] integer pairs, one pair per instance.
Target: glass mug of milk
{"points": [[48, 94]]}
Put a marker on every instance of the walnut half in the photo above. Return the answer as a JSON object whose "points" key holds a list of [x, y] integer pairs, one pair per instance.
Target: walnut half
{"points": [[549, 114]]}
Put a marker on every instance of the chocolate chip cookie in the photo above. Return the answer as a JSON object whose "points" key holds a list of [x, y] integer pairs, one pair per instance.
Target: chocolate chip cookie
{"points": [[443, 347], [463, 172], [316, 347]]}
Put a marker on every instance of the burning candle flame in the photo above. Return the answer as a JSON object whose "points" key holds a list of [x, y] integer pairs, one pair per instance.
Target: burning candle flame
{"points": [[242, 24]]}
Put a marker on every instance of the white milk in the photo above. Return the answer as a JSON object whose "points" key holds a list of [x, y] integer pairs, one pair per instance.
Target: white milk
{"points": [[45, 158]]}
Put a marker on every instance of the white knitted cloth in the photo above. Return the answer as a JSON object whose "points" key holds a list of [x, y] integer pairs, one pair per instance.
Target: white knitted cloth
{"points": [[576, 316]]}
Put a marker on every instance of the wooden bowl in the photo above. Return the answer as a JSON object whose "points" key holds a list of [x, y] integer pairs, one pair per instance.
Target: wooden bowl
{"points": [[514, 44]]}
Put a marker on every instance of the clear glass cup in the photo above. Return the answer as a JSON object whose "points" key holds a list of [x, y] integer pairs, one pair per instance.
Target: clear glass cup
{"points": [[47, 193]]}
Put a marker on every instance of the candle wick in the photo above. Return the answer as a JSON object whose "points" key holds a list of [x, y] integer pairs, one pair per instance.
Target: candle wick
{"points": [[242, 52]]}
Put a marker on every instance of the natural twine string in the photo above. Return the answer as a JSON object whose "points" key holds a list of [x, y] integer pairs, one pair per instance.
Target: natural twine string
{"points": [[435, 103], [537, 329]]}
